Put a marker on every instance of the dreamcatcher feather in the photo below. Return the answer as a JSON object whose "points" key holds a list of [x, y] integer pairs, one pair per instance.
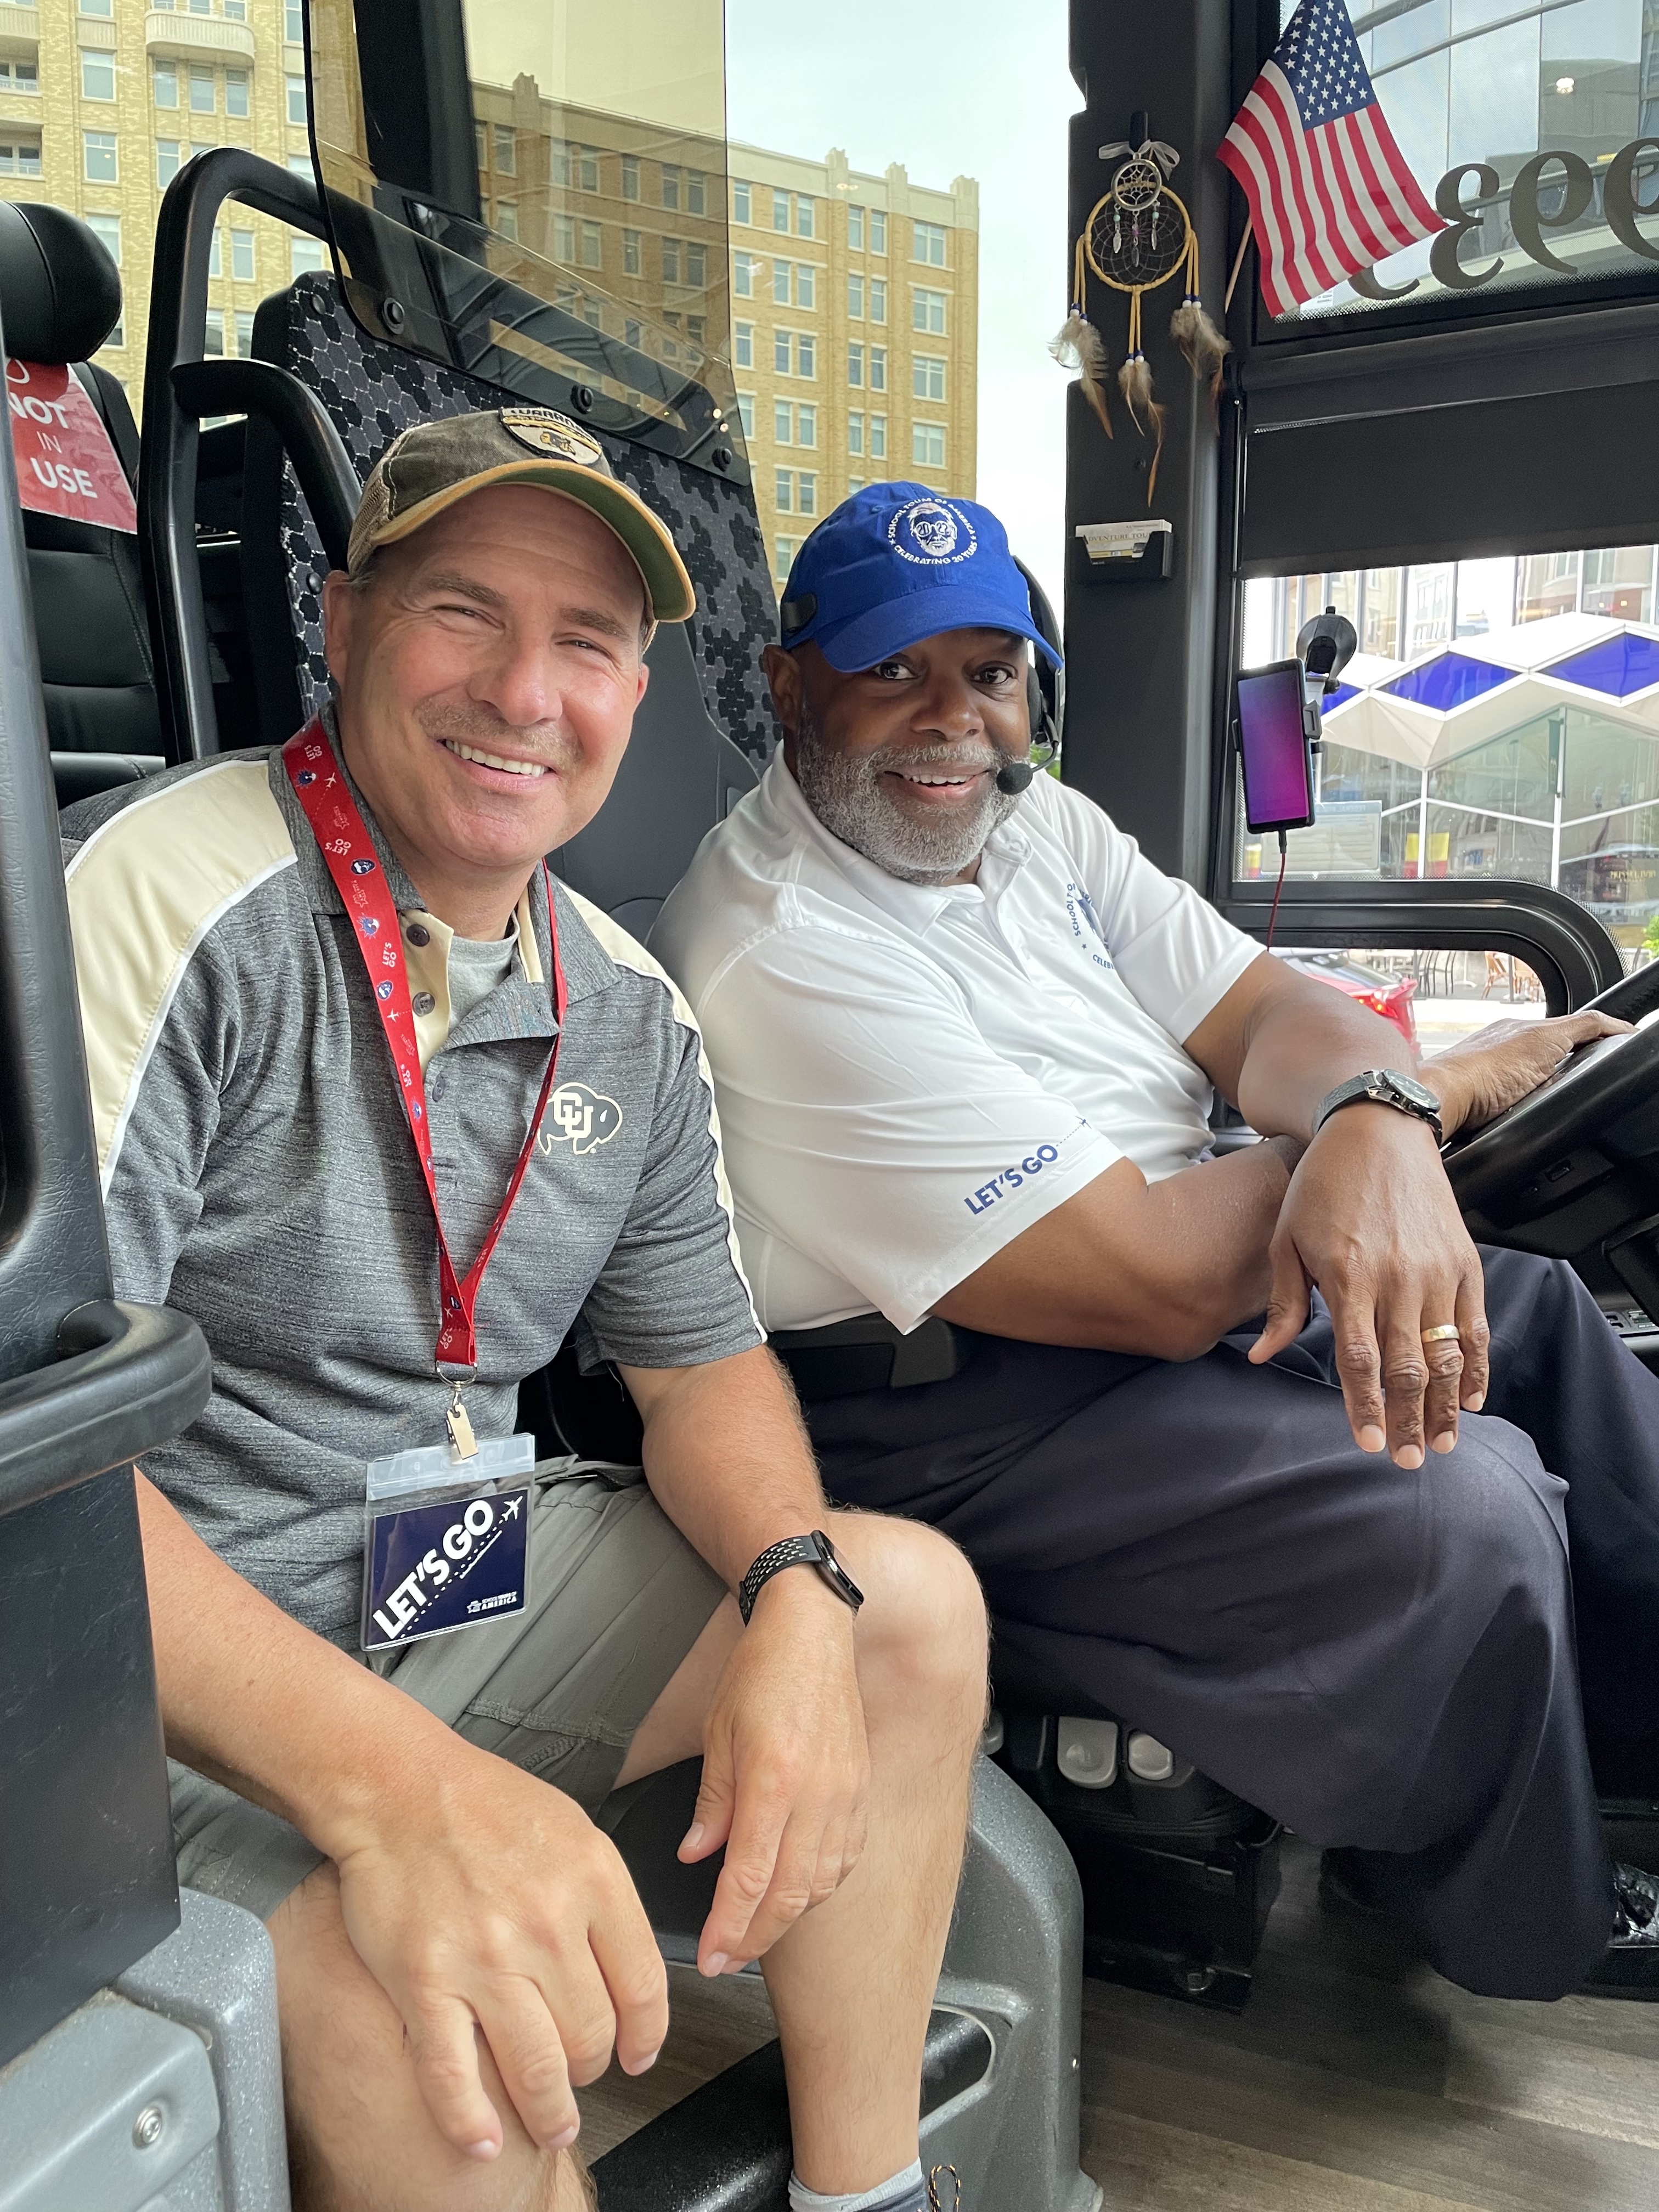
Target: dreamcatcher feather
{"points": [[1078, 345], [1137, 236]]}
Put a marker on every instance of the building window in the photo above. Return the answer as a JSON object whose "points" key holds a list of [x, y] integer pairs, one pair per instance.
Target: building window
{"points": [[98, 158], [855, 367], [564, 238], [854, 484], [926, 377], [927, 445], [781, 270], [203, 100], [780, 352], [593, 250], [784, 491], [779, 210], [782, 422], [929, 244], [743, 266], [590, 314], [630, 253], [878, 437], [806, 426], [783, 558], [855, 298], [855, 228], [671, 261], [804, 217], [746, 412], [507, 150], [481, 145], [855, 433], [696, 193], [106, 229], [742, 336], [877, 230], [235, 11], [215, 263], [697, 263], [877, 369], [507, 220], [671, 185], [587, 168], [297, 110], [294, 22], [805, 285], [633, 333], [245, 333], [241, 255], [20, 157], [166, 85], [236, 91], [927, 311], [106, 8], [213, 338], [167, 160], [299, 165], [97, 75], [630, 167], [118, 337], [878, 298], [806, 355], [304, 253], [20, 76], [739, 201], [695, 326], [806, 493]]}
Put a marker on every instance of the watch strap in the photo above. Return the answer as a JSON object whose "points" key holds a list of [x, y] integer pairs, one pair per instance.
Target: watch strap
{"points": [[814, 1550], [1376, 1086]]}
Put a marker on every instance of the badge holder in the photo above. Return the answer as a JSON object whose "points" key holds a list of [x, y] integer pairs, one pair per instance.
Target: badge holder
{"points": [[446, 1541]]}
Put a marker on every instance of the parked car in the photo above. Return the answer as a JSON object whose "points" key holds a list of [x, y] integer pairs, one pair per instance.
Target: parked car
{"points": [[1390, 996]]}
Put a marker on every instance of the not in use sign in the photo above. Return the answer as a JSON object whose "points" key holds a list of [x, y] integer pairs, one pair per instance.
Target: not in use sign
{"points": [[66, 463]]}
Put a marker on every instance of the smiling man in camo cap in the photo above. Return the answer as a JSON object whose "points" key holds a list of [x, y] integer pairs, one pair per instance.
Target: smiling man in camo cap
{"points": [[389, 1111]]}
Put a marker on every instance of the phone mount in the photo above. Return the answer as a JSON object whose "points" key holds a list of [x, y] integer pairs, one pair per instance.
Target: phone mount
{"points": [[1325, 645]]}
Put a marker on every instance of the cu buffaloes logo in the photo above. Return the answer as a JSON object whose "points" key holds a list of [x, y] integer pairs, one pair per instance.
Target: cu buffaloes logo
{"points": [[581, 1118]]}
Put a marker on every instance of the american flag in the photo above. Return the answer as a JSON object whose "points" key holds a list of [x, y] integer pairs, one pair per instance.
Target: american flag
{"points": [[1329, 190]]}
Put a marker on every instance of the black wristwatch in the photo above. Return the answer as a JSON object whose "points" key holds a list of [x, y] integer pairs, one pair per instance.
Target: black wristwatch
{"points": [[813, 1550], [1382, 1086]]}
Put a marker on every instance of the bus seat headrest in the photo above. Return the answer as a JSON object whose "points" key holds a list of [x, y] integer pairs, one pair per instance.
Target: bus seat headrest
{"points": [[60, 292]]}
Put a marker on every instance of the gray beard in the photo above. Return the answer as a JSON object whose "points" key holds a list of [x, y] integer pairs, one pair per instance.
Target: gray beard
{"points": [[845, 792]]}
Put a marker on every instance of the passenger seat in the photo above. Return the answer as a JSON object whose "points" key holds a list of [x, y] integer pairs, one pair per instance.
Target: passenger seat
{"points": [[60, 297]]}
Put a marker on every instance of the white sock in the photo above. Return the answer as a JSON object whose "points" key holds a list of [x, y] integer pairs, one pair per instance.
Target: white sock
{"points": [[905, 2192]]}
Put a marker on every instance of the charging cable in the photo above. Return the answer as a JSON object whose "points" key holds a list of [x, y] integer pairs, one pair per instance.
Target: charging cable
{"points": [[1273, 918]]}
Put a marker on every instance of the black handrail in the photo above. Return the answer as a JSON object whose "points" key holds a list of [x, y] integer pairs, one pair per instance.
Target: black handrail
{"points": [[303, 422], [1574, 956], [130, 1377], [166, 466]]}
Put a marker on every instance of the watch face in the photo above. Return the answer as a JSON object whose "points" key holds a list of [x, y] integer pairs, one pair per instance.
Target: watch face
{"points": [[1418, 1093]]}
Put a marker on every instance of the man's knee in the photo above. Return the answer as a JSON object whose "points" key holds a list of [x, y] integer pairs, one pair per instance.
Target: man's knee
{"points": [[360, 2137], [923, 1639]]}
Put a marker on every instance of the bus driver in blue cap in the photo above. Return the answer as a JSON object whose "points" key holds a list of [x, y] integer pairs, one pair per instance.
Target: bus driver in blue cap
{"points": [[965, 1041]]}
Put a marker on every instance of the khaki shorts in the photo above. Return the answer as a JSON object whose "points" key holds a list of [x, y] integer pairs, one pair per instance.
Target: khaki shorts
{"points": [[618, 1599]]}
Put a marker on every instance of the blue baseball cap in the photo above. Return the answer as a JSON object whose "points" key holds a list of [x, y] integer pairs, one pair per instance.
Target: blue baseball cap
{"points": [[895, 563]]}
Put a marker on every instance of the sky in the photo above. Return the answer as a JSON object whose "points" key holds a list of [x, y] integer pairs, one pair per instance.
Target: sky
{"points": [[949, 92]]}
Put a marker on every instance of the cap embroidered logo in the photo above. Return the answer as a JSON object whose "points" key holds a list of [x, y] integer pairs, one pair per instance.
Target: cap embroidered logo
{"points": [[932, 532], [544, 430]]}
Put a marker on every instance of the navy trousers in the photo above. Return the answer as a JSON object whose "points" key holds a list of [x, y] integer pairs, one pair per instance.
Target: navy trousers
{"points": [[1403, 1662]]}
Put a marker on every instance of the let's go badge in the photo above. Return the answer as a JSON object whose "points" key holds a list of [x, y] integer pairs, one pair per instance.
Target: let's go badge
{"points": [[431, 1569]]}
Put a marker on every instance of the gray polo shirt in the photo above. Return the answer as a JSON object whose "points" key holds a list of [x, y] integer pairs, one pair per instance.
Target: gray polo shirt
{"points": [[258, 1173]]}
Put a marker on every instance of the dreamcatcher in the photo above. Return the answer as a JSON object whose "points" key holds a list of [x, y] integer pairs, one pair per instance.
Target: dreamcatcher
{"points": [[1137, 236]]}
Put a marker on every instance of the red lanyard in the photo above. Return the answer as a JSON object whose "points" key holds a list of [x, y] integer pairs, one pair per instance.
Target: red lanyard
{"points": [[348, 848]]}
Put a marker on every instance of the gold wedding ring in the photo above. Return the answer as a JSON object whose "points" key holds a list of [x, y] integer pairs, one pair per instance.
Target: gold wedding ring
{"points": [[1442, 1334]]}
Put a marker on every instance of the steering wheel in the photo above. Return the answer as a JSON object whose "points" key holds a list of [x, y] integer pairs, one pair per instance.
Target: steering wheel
{"points": [[1577, 1160]]}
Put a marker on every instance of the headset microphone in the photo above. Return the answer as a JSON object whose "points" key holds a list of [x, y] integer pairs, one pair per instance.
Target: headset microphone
{"points": [[1013, 778]]}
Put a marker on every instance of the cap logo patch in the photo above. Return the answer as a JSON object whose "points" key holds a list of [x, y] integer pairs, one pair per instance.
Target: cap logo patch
{"points": [[932, 534], [544, 430]]}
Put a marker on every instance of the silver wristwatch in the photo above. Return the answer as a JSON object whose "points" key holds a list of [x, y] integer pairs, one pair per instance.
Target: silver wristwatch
{"points": [[1382, 1086]]}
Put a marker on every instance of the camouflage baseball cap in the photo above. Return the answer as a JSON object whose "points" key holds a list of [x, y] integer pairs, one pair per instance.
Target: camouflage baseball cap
{"points": [[430, 467]]}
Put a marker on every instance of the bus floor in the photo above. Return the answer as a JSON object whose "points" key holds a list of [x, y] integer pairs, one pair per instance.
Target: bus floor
{"points": [[1355, 2081]]}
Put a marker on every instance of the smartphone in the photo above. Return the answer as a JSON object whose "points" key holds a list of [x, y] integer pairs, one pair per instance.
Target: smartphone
{"points": [[1272, 748]]}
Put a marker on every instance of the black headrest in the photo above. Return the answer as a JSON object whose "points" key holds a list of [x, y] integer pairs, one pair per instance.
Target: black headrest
{"points": [[60, 293]]}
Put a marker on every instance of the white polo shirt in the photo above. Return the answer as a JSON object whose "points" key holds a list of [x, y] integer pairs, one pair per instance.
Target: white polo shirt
{"points": [[907, 1078]]}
